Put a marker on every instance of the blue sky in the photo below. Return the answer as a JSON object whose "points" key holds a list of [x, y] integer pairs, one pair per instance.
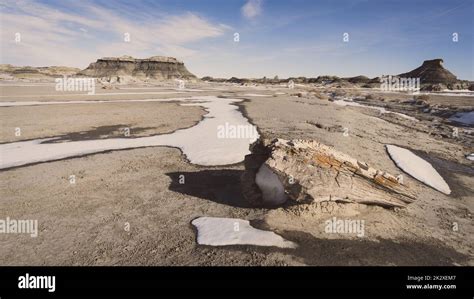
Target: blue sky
{"points": [[284, 38]]}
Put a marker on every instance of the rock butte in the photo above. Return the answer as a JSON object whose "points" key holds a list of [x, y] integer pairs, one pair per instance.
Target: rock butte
{"points": [[431, 72], [156, 67]]}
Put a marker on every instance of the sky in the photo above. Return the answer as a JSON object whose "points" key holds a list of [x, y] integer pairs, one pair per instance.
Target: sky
{"points": [[284, 38]]}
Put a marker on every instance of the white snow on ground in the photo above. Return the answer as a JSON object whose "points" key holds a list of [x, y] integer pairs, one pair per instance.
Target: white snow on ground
{"points": [[458, 91], [140, 88], [466, 118], [96, 94], [417, 168], [39, 103], [28, 84], [272, 189], [256, 95], [231, 231], [451, 93], [199, 143], [160, 88], [470, 157], [381, 109]]}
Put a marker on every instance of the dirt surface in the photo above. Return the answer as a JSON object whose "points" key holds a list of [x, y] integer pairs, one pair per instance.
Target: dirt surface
{"points": [[128, 207], [93, 121]]}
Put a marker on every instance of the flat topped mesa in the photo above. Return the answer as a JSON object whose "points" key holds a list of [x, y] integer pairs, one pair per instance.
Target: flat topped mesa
{"points": [[155, 67], [307, 171]]}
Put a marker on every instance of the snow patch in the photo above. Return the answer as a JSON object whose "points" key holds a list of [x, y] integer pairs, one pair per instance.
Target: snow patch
{"points": [[232, 231], [273, 191], [40, 103], [345, 102], [451, 93], [417, 168], [470, 156], [199, 143], [256, 95], [458, 91], [96, 94]]}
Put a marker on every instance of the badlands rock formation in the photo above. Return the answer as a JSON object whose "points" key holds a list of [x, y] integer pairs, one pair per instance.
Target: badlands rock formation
{"points": [[432, 72], [433, 77], [156, 67], [306, 170], [8, 71]]}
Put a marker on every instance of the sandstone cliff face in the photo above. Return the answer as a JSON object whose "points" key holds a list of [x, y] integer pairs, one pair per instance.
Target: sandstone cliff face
{"points": [[432, 72], [156, 67]]}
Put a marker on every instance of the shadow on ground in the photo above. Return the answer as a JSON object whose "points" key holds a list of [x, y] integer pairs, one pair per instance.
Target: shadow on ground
{"points": [[349, 252], [101, 132], [446, 168], [219, 185], [341, 252], [223, 186]]}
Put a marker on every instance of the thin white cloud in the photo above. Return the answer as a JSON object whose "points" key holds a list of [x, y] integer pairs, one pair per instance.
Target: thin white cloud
{"points": [[187, 28], [252, 9], [49, 36]]}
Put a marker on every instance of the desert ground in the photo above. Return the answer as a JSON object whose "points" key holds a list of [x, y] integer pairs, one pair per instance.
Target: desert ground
{"points": [[127, 206]]}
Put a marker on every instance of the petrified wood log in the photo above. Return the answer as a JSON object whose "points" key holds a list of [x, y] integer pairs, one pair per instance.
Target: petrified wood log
{"points": [[306, 170]]}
